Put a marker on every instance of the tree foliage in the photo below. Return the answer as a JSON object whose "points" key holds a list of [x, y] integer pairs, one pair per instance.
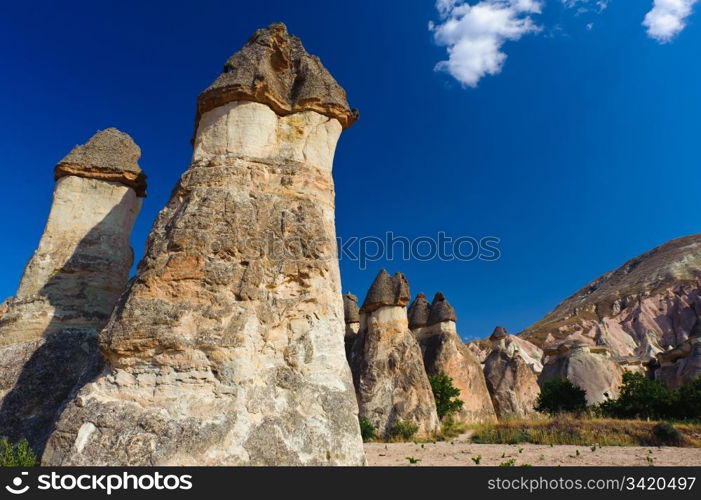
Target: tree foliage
{"points": [[559, 395], [446, 395]]}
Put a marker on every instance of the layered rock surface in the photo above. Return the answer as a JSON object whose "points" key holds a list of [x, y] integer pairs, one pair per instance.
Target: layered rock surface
{"points": [[639, 309], [589, 368], [227, 348], [444, 352], [512, 382], [388, 370], [682, 364], [48, 331]]}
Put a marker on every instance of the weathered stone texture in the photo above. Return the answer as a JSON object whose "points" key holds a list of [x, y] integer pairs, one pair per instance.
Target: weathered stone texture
{"points": [[512, 384], [227, 348], [48, 344], [390, 381], [444, 351], [274, 69], [587, 367]]}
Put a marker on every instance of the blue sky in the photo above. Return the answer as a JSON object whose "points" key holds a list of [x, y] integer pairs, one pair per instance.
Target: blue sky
{"points": [[579, 150]]}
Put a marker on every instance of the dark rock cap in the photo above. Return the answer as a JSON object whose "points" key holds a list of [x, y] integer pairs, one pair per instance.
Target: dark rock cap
{"points": [[441, 310], [387, 290], [109, 155], [273, 68], [498, 333], [350, 308], [418, 312]]}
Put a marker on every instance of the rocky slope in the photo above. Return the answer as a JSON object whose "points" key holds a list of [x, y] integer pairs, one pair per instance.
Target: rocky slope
{"points": [[636, 310]]}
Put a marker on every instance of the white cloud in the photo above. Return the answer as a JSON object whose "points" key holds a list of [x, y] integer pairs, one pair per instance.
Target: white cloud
{"points": [[667, 18], [584, 6], [475, 34]]}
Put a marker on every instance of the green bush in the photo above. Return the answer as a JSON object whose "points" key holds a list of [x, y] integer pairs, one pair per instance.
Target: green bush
{"points": [[688, 401], [19, 455], [667, 434], [367, 430], [404, 430], [445, 394], [641, 398], [559, 395]]}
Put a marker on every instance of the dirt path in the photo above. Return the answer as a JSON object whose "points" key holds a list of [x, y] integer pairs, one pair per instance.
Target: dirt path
{"points": [[461, 453]]}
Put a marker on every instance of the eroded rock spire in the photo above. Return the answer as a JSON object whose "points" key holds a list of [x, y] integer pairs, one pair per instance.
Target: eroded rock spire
{"points": [[48, 331], [225, 350]]}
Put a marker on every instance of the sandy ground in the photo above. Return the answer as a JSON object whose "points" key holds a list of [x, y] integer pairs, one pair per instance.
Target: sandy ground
{"points": [[460, 453]]}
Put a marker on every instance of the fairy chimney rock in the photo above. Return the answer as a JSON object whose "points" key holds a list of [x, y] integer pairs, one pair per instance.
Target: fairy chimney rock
{"points": [[388, 371], [70, 286], [418, 312], [220, 353], [385, 291]]}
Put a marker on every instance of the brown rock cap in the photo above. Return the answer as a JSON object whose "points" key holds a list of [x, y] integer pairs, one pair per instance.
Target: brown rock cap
{"points": [[109, 155], [418, 312], [387, 290], [350, 308], [498, 333], [274, 69], [441, 310]]}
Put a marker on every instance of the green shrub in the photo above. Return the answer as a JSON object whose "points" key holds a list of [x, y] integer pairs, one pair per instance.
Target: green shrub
{"points": [[19, 455], [404, 430], [642, 398], [445, 394], [559, 395], [667, 434], [688, 401], [367, 430]]}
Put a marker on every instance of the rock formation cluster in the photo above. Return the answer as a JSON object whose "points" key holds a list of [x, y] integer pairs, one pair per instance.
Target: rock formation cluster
{"points": [[222, 350], [48, 331], [444, 352], [233, 345], [388, 369]]}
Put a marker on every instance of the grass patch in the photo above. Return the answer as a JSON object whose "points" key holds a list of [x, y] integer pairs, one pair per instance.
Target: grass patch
{"points": [[587, 432]]}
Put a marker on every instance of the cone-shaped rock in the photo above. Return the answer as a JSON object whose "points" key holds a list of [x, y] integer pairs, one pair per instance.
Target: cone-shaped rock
{"points": [[445, 352], [227, 347], [48, 331], [498, 333], [440, 310], [418, 312], [387, 290], [390, 381], [589, 367], [274, 69], [351, 314]]}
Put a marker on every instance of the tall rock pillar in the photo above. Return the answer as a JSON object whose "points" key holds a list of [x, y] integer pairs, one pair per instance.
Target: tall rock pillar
{"points": [[228, 346], [390, 381], [48, 331], [445, 352]]}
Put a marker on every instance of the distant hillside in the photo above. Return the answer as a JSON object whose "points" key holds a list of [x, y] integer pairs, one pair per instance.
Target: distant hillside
{"points": [[643, 302]]}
